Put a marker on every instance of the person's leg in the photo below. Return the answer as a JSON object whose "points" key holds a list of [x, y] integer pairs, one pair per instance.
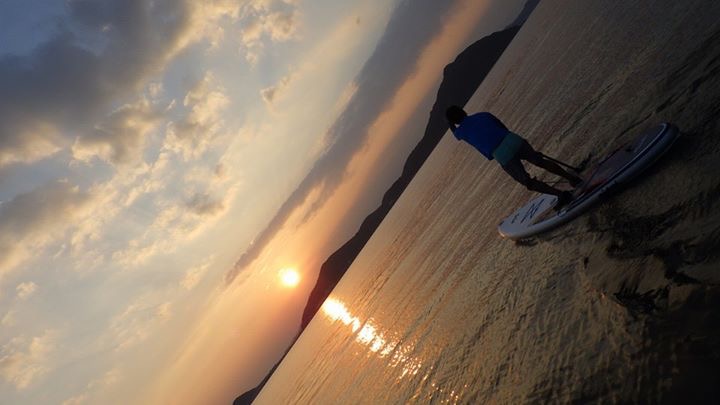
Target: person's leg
{"points": [[517, 171], [527, 152]]}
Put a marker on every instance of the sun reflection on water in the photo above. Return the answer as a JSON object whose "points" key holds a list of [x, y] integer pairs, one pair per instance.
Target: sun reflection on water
{"points": [[367, 334], [398, 355]]}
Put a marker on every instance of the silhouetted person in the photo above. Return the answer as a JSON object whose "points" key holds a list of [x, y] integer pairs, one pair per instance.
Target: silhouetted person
{"points": [[492, 139]]}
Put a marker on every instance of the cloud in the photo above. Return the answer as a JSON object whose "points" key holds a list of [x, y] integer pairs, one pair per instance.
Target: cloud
{"points": [[79, 399], [9, 318], [194, 275], [109, 379], [62, 213], [203, 204], [25, 290], [164, 311], [137, 323], [77, 219], [267, 21], [119, 138], [281, 26], [192, 135], [31, 220], [23, 360], [207, 16], [104, 51], [412, 26], [176, 222], [220, 171], [109, 199], [207, 177], [272, 93]]}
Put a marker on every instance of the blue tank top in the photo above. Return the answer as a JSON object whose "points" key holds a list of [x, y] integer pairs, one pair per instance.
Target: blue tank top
{"points": [[483, 131]]}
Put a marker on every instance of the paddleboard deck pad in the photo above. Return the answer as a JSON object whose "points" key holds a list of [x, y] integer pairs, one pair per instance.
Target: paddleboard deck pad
{"points": [[614, 170]]}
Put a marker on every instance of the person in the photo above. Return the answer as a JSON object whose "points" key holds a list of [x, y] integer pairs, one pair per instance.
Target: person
{"points": [[492, 139]]}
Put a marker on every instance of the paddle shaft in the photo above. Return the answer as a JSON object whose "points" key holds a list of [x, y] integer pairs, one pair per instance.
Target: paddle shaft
{"points": [[577, 170]]}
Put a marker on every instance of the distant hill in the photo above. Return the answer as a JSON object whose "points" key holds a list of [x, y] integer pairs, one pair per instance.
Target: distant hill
{"points": [[461, 78], [525, 13]]}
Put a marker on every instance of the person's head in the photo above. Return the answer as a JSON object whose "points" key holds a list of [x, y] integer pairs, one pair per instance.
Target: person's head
{"points": [[455, 115]]}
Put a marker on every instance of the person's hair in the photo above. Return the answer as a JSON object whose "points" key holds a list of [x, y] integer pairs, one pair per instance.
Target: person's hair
{"points": [[455, 114]]}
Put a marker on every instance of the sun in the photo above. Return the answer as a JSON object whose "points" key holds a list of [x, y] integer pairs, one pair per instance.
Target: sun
{"points": [[289, 277]]}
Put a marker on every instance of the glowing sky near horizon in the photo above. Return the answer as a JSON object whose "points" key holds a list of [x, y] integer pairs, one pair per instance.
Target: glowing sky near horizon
{"points": [[173, 173]]}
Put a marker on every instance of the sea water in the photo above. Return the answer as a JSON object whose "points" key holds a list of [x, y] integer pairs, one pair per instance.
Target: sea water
{"points": [[438, 308]]}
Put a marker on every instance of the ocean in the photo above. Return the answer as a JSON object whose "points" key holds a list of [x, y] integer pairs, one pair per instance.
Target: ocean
{"points": [[621, 305]]}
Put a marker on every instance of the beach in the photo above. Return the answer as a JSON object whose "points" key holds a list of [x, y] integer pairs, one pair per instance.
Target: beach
{"points": [[620, 305]]}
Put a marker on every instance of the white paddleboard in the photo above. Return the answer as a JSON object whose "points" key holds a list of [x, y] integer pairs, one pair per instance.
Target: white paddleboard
{"points": [[617, 168]]}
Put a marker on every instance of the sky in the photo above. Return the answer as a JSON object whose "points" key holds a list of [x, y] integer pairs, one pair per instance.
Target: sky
{"points": [[163, 163]]}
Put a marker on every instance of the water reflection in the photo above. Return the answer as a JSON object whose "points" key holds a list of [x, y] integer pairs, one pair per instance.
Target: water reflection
{"points": [[368, 334], [398, 355]]}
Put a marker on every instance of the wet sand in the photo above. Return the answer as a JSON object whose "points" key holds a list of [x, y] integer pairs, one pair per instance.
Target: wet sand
{"points": [[620, 305], [651, 251]]}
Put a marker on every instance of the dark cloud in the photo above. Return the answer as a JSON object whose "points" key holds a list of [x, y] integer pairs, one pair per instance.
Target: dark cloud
{"points": [[118, 138], [103, 51], [411, 27], [28, 219], [205, 205]]}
